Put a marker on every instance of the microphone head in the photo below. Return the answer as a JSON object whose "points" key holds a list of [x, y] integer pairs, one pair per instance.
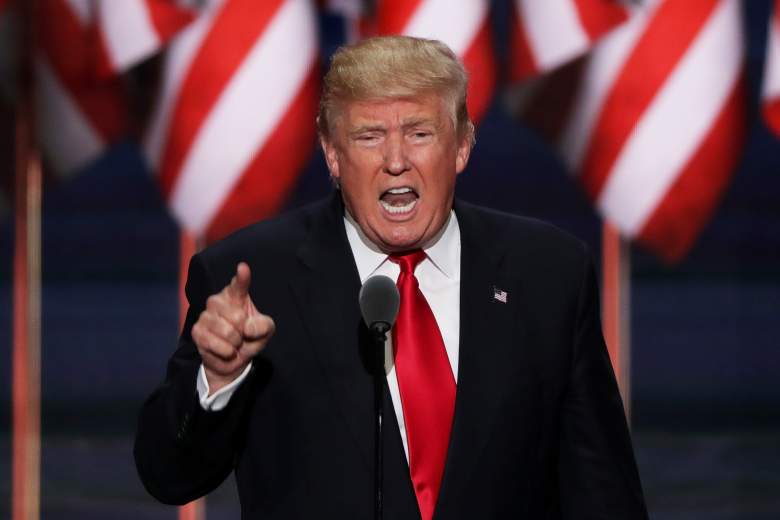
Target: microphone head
{"points": [[379, 301]]}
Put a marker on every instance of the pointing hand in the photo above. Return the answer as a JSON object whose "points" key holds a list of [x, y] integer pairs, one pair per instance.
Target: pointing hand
{"points": [[231, 331]]}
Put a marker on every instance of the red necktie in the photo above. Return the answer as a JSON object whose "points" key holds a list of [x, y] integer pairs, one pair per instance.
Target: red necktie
{"points": [[426, 384]]}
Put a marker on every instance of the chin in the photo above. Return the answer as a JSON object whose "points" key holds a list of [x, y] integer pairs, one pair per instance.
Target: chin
{"points": [[402, 240]]}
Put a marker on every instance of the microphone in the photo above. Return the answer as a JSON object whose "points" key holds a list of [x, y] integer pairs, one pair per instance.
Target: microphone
{"points": [[379, 301]]}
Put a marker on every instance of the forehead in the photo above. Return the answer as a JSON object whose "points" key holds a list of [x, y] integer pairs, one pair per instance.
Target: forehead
{"points": [[394, 111]]}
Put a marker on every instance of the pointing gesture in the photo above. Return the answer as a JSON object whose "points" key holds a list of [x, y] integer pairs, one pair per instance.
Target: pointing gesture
{"points": [[231, 331], [239, 284]]}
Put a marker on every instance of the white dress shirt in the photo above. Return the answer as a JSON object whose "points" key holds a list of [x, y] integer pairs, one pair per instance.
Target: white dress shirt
{"points": [[439, 280]]}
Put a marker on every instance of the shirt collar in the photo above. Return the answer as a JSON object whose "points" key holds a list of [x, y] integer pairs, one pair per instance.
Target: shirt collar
{"points": [[443, 250]]}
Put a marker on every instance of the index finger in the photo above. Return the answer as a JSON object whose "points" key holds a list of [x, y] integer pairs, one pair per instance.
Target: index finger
{"points": [[239, 284]]}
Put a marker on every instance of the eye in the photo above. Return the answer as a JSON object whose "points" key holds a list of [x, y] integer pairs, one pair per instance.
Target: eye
{"points": [[421, 134], [367, 138]]}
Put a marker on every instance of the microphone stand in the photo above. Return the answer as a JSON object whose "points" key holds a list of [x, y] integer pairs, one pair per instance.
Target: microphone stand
{"points": [[378, 331]]}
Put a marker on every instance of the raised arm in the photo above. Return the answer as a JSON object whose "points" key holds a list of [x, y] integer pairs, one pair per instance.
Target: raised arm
{"points": [[182, 451]]}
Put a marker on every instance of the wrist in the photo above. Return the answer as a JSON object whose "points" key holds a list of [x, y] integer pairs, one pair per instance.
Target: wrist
{"points": [[218, 381]]}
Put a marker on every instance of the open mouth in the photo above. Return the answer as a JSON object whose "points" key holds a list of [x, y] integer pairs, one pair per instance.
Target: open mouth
{"points": [[398, 201]]}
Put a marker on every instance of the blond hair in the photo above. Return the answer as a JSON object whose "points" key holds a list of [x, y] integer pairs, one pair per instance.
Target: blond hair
{"points": [[394, 67]]}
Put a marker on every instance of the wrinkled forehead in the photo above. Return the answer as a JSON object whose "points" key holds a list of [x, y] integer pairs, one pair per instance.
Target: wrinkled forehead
{"points": [[427, 108]]}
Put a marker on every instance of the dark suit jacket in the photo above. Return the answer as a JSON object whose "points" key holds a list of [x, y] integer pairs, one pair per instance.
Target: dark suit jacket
{"points": [[539, 430]]}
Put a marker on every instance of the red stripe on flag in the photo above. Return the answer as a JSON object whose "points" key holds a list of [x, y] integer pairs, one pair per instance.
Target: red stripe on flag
{"points": [[234, 32], [394, 15], [665, 41], [480, 63], [771, 106], [104, 67], [599, 16], [167, 17], [265, 184], [523, 62], [164, 17], [65, 41], [772, 115], [687, 206], [69, 48]]}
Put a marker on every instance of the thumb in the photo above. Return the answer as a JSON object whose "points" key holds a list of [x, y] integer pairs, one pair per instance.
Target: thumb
{"points": [[239, 284]]}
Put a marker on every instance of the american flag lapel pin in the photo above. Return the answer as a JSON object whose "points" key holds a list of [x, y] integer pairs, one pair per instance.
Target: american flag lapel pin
{"points": [[499, 295]]}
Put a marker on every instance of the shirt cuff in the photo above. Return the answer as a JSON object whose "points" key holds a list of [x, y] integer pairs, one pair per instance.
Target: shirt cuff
{"points": [[220, 398]]}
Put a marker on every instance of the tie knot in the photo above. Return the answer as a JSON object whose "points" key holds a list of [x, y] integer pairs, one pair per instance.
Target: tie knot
{"points": [[408, 261]]}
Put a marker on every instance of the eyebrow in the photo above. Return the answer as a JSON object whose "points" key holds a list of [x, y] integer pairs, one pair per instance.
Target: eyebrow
{"points": [[418, 121], [366, 128]]}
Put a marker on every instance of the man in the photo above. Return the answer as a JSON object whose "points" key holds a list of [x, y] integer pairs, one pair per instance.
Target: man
{"points": [[504, 400]]}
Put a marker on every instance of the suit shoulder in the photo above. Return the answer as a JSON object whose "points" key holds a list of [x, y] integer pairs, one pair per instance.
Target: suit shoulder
{"points": [[277, 237], [532, 237]]}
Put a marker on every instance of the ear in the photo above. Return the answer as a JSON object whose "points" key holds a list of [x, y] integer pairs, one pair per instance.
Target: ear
{"points": [[331, 156], [464, 150]]}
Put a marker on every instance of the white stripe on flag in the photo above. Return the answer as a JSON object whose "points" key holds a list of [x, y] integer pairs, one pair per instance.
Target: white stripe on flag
{"points": [[67, 138], [128, 31], [229, 139], [552, 47], [454, 23], [183, 50], [606, 62], [771, 86], [676, 122], [82, 9]]}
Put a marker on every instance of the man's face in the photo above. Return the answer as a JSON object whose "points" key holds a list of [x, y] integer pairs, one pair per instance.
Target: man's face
{"points": [[396, 162]]}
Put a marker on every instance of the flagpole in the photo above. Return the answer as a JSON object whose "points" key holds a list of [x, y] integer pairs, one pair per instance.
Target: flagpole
{"points": [[26, 451], [616, 307], [188, 246], [26, 356]]}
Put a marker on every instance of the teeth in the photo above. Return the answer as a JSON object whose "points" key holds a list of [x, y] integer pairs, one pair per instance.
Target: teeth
{"points": [[399, 191], [396, 210]]}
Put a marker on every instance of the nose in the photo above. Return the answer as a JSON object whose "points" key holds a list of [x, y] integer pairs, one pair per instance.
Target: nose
{"points": [[395, 158]]}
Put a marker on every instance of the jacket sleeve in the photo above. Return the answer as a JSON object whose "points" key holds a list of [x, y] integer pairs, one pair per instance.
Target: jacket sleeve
{"points": [[182, 452], [598, 478]]}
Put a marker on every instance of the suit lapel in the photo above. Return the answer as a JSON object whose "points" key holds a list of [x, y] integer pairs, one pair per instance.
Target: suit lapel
{"points": [[326, 291], [489, 331]]}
